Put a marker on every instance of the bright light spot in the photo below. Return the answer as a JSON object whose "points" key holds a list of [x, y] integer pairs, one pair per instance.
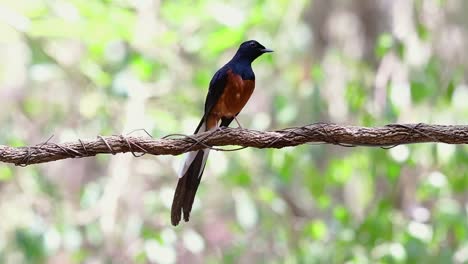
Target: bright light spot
{"points": [[220, 166], [193, 241], [90, 104], [300, 37], [52, 240], [449, 206], [14, 19], [91, 195], [278, 206], [44, 72], [125, 82], [158, 253], [228, 15], [379, 251], [445, 152], [437, 179], [460, 97], [261, 121], [400, 94], [421, 214], [194, 44], [337, 108], [399, 153], [420, 231], [397, 251], [318, 230], [165, 194], [67, 11], [188, 124], [246, 212], [344, 26], [168, 236], [418, 52], [68, 135], [461, 255], [132, 227], [72, 239], [347, 235], [287, 114], [115, 51]]}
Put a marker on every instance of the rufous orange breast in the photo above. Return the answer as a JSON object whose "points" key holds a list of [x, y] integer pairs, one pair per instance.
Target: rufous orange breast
{"points": [[235, 96]]}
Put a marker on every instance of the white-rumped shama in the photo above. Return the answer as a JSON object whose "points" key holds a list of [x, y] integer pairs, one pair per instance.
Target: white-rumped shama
{"points": [[230, 89]]}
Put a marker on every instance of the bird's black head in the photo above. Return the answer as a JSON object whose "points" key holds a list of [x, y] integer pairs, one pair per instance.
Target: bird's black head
{"points": [[250, 50]]}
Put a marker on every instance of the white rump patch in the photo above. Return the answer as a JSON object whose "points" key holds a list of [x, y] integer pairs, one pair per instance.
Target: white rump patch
{"points": [[190, 156]]}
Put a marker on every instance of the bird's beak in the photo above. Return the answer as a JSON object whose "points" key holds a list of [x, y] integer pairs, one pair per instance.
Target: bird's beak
{"points": [[266, 50]]}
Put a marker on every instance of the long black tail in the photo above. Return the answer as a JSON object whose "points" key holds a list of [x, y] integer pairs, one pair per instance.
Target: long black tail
{"points": [[190, 179], [186, 189]]}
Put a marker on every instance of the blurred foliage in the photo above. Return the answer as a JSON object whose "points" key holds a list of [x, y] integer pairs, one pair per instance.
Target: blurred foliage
{"points": [[77, 68]]}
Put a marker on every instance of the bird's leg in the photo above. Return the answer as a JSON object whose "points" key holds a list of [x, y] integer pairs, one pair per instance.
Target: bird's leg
{"points": [[237, 121]]}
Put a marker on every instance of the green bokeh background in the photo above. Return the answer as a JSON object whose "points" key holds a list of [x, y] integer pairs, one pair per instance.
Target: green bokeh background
{"points": [[81, 68]]}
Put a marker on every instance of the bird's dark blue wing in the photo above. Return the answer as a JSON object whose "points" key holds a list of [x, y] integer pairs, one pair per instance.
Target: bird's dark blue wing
{"points": [[216, 89], [217, 85]]}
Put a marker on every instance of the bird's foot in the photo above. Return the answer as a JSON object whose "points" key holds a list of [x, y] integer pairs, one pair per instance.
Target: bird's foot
{"points": [[238, 123]]}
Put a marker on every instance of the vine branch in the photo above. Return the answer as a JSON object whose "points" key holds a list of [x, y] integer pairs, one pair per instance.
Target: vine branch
{"points": [[349, 136]]}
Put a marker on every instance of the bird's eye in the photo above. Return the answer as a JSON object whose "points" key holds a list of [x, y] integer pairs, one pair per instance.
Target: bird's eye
{"points": [[253, 44]]}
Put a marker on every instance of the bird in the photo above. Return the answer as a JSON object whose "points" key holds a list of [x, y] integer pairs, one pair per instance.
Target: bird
{"points": [[229, 90]]}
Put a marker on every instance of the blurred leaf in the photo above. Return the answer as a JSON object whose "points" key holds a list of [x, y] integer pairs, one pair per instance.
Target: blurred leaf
{"points": [[149, 233], [393, 170], [5, 173], [173, 12], [356, 96], [317, 73], [16, 142], [423, 31], [281, 164], [141, 258], [240, 178], [80, 256], [266, 194], [323, 201], [415, 250], [53, 27], [45, 185], [450, 90], [384, 44], [401, 49], [340, 170], [202, 78], [316, 229], [287, 114], [32, 107], [143, 68], [377, 225], [341, 214], [222, 39], [96, 73], [419, 91], [31, 245], [94, 235], [280, 102]]}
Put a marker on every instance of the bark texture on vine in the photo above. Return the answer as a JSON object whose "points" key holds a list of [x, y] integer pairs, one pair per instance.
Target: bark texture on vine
{"points": [[175, 144]]}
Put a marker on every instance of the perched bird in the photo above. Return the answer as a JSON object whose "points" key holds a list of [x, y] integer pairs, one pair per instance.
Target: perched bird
{"points": [[230, 89]]}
